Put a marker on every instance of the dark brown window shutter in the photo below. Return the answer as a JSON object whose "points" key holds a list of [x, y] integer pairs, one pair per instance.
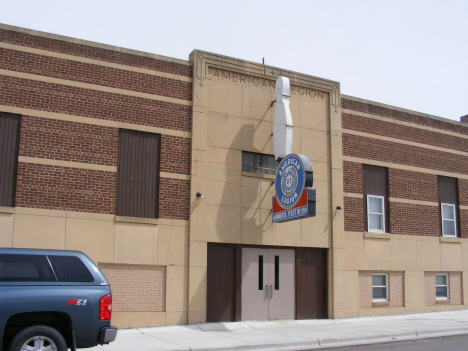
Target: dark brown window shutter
{"points": [[9, 147], [138, 174]]}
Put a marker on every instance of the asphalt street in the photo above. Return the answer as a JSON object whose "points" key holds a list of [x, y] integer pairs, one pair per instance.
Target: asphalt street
{"points": [[452, 343]]}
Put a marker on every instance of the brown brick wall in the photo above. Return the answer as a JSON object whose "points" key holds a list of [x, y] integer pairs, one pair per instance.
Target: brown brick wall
{"points": [[89, 103], [463, 191], [464, 223], [396, 290], [175, 154], [386, 151], [455, 289], [77, 142], [83, 143], [392, 130], [174, 198], [401, 116], [410, 219], [412, 185], [61, 188], [92, 74], [353, 214], [352, 177], [136, 288], [68, 141], [68, 48], [66, 189]]}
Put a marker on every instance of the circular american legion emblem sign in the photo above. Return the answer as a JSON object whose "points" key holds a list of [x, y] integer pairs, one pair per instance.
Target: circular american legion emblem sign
{"points": [[290, 180]]}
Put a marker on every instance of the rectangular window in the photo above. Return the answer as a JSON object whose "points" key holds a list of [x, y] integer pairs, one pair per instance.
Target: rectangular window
{"points": [[70, 269], [380, 287], [448, 204], [449, 222], [9, 146], [260, 272], [25, 268], [138, 157], [375, 214], [277, 266], [375, 191], [258, 163], [442, 288]]}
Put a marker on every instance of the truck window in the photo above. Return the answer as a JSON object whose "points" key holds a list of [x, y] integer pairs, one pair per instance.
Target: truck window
{"points": [[25, 268], [70, 269]]}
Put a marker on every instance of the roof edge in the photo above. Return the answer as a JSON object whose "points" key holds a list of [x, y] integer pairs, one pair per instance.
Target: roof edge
{"points": [[416, 113], [93, 44]]}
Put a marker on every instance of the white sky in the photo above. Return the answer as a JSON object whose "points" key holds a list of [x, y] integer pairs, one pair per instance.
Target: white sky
{"points": [[407, 53]]}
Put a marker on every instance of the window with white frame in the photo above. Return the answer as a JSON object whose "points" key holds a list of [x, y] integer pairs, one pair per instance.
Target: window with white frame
{"points": [[375, 214], [442, 286], [380, 287], [449, 225]]}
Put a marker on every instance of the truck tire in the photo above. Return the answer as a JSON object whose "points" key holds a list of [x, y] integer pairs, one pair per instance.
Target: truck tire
{"points": [[40, 338]]}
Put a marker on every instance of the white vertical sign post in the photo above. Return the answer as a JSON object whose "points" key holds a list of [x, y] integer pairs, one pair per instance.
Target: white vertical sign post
{"points": [[283, 124]]}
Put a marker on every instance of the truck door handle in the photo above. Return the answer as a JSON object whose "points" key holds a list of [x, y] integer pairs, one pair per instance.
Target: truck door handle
{"points": [[271, 291], [266, 291]]}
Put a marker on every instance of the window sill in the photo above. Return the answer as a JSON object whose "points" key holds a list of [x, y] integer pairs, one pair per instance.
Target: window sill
{"points": [[380, 303], [258, 175], [373, 235], [443, 301], [7, 209], [448, 239], [142, 220]]}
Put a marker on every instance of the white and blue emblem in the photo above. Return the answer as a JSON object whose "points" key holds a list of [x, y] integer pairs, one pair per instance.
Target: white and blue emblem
{"points": [[290, 180]]}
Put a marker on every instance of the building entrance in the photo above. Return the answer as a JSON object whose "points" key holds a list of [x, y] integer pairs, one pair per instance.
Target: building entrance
{"points": [[268, 284], [238, 278]]}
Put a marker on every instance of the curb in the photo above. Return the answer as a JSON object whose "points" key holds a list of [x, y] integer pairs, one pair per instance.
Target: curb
{"points": [[332, 343]]}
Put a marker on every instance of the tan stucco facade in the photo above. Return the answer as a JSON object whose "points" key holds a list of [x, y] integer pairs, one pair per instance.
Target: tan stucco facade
{"points": [[233, 112], [110, 239]]}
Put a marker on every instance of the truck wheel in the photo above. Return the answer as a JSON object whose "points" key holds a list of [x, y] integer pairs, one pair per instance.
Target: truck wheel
{"points": [[38, 338]]}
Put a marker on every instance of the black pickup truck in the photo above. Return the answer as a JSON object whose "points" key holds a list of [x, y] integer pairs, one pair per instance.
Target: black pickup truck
{"points": [[52, 300]]}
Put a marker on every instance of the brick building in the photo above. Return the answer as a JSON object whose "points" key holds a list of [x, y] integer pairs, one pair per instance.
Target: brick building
{"points": [[161, 171]]}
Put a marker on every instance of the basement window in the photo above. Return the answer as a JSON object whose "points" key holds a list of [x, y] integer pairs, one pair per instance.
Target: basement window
{"points": [[379, 287], [442, 288]]}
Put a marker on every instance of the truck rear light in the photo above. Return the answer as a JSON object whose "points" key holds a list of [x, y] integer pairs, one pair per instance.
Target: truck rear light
{"points": [[105, 308]]}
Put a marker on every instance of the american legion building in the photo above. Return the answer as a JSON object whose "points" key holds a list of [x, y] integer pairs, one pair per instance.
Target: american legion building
{"points": [[162, 171]]}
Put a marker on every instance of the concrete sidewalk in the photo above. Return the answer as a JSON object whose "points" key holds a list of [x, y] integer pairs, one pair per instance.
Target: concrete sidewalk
{"points": [[291, 334]]}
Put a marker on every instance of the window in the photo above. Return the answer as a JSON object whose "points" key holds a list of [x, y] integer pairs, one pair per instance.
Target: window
{"points": [[258, 163], [375, 214], [442, 289], [24, 268], [137, 192], [380, 287], [449, 223], [9, 145], [375, 192], [70, 269], [448, 203]]}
